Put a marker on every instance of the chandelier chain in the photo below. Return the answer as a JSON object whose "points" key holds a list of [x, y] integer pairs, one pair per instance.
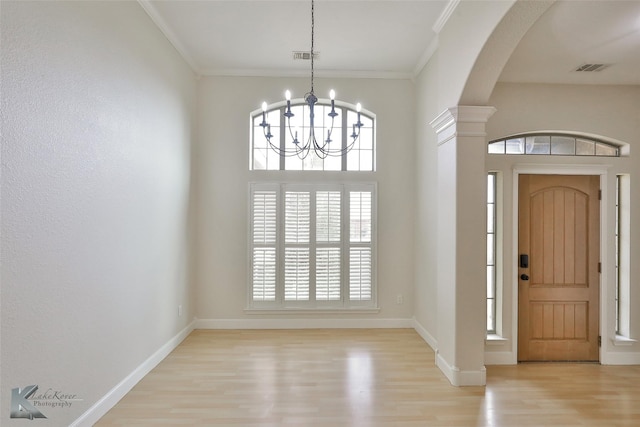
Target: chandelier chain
{"points": [[312, 35]]}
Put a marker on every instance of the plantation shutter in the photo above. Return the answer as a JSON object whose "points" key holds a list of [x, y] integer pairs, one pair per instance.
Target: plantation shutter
{"points": [[312, 246], [296, 253], [328, 216], [360, 252], [264, 214], [328, 242]]}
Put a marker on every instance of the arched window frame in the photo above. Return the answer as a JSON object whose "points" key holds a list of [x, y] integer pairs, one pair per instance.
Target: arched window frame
{"points": [[554, 144], [361, 158]]}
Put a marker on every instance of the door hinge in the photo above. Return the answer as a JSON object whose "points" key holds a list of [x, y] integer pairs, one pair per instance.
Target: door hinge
{"points": [[599, 267], [599, 340], [599, 194]]}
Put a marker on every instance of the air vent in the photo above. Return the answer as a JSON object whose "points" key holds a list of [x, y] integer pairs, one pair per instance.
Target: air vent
{"points": [[305, 55], [589, 68]]}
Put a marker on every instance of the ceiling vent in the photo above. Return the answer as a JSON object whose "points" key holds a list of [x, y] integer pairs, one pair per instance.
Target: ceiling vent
{"points": [[589, 68], [305, 55]]}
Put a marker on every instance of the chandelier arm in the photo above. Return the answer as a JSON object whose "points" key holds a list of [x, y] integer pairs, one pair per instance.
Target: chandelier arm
{"points": [[294, 139], [303, 152], [330, 130], [311, 142], [341, 151], [319, 149], [284, 152], [326, 149]]}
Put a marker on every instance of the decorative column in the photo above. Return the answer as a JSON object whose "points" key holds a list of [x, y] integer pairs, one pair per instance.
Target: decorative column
{"points": [[462, 246]]}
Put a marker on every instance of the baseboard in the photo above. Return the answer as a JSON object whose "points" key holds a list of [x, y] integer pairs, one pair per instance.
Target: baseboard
{"points": [[460, 378], [500, 358], [303, 323], [429, 339], [620, 358], [108, 401]]}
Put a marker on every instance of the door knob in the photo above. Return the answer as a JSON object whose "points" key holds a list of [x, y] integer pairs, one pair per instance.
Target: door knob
{"points": [[524, 277]]}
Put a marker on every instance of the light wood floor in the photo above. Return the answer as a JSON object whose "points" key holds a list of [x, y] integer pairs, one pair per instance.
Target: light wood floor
{"points": [[381, 377]]}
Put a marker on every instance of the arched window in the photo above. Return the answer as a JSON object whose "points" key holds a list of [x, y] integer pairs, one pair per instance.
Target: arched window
{"points": [[361, 157], [553, 144], [312, 241]]}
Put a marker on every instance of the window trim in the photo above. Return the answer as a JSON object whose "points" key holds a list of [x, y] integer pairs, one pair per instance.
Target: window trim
{"points": [[617, 235], [622, 260], [494, 236], [293, 307]]}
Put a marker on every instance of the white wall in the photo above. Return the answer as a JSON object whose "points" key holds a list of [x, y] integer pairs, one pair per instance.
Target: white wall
{"points": [[97, 124], [611, 111], [223, 176], [426, 224], [460, 43], [439, 86], [607, 111]]}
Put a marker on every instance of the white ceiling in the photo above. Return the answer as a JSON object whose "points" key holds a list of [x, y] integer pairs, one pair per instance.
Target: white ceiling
{"points": [[257, 37], [392, 38], [572, 33]]}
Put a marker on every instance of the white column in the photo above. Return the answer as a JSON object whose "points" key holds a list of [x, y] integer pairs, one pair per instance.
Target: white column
{"points": [[462, 247]]}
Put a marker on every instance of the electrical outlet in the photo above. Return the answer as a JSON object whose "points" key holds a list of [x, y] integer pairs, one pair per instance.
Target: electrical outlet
{"points": [[400, 299], [180, 310]]}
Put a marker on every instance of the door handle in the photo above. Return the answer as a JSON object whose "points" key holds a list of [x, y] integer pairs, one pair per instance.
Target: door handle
{"points": [[524, 277]]}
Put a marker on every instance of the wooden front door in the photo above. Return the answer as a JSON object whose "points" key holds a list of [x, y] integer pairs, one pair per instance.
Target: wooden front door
{"points": [[559, 247]]}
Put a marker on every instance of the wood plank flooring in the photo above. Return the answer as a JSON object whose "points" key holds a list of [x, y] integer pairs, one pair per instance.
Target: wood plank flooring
{"points": [[378, 377]]}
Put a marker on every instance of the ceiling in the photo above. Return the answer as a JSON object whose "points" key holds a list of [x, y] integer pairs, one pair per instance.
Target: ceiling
{"points": [[392, 38], [573, 33]]}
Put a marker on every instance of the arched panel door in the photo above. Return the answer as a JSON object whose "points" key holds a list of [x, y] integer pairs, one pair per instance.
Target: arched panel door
{"points": [[559, 279]]}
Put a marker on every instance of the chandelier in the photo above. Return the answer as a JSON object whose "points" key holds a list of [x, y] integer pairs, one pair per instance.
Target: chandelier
{"points": [[302, 147]]}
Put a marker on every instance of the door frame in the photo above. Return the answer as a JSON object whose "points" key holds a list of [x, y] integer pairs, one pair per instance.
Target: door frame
{"points": [[558, 169]]}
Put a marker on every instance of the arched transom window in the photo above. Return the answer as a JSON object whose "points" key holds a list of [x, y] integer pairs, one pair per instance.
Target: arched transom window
{"points": [[553, 144]]}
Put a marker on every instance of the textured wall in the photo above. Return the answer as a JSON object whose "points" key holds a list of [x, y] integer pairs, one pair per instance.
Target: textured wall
{"points": [[97, 111]]}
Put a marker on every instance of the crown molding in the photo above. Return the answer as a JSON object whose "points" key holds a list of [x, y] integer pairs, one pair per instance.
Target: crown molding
{"points": [[445, 15], [426, 56], [433, 45], [168, 33], [346, 74]]}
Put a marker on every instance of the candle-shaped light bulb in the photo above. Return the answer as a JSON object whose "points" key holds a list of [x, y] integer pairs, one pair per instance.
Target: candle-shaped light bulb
{"points": [[332, 95], [264, 116], [288, 114], [358, 107]]}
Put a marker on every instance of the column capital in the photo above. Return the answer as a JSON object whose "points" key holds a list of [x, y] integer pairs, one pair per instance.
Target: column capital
{"points": [[446, 123], [462, 114]]}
